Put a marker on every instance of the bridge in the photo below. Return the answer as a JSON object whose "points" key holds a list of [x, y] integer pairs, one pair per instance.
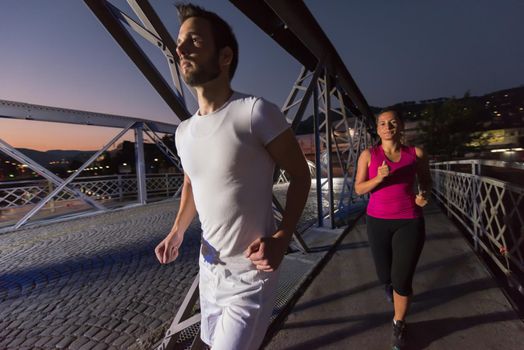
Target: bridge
{"points": [[78, 269]]}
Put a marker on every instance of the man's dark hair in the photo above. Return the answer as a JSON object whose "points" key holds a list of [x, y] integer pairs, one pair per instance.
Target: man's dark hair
{"points": [[222, 32]]}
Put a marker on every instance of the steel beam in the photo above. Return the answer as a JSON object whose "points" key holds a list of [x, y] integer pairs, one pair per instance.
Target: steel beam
{"points": [[140, 164], [291, 25], [318, 160], [264, 17], [184, 313], [150, 19], [26, 111], [302, 23], [329, 147], [108, 16]]}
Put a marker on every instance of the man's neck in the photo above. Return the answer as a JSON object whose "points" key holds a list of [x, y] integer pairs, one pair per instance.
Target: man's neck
{"points": [[212, 96]]}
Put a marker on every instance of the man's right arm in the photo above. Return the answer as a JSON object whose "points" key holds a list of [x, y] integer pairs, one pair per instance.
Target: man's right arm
{"points": [[167, 250]]}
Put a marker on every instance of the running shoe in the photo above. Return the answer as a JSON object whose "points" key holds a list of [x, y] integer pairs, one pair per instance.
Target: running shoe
{"points": [[398, 339]]}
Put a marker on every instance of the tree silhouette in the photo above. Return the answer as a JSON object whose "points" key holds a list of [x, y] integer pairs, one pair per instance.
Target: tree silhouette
{"points": [[450, 129]]}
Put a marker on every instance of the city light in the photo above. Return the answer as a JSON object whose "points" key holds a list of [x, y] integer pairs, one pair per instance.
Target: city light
{"points": [[156, 159], [507, 150], [124, 164]]}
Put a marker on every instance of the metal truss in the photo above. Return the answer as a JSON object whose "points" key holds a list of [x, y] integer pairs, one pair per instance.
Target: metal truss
{"points": [[52, 178], [152, 29], [66, 189], [337, 129], [163, 148], [324, 150], [64, 183], [299, 97], [492, 211], [350, 141], [185, 321]]}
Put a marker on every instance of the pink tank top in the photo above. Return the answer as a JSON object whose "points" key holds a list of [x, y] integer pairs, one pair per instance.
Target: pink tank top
{"points": [[394, 198]]}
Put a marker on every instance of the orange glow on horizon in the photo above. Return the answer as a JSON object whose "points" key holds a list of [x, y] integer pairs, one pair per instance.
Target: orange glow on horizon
{"points": [[45, 136]]}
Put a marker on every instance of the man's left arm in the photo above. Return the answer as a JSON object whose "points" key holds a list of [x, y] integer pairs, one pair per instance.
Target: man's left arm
{"points": [[267, 253]]}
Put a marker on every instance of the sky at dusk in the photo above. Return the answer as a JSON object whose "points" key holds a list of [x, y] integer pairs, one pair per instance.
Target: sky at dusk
{"points": [[56, 53]]}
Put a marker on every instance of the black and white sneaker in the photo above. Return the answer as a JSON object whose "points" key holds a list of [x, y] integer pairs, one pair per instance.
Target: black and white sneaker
{"points": [[388, 289], [398, 339]]}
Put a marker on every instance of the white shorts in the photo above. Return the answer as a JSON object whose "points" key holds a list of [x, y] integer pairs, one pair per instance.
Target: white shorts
{"points": [[236, 305]]}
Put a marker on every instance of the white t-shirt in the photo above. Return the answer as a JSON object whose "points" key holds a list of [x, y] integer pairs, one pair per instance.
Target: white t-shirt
{"points": [[231, 173]]}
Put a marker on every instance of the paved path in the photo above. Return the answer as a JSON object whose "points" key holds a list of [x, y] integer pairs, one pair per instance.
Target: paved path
{"points": [[91, 283], [95, 283], [457, 304]]}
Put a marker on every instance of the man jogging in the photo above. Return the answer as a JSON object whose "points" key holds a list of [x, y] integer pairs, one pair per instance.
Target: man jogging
{"points": [[229, 149]]}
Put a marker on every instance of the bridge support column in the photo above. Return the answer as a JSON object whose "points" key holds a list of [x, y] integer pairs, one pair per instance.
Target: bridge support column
{"points": [[140, 164]]}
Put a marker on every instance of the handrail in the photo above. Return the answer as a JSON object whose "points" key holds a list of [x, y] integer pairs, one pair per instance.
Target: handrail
{"points": [[485, 162], [490, 210]]}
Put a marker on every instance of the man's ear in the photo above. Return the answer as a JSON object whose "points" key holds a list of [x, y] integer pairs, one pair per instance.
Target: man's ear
{"points": [[226, 56]]}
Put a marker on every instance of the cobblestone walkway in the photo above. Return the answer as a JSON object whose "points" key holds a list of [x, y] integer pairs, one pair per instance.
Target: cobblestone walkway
{"points": [[92, 283], [95, 283]]}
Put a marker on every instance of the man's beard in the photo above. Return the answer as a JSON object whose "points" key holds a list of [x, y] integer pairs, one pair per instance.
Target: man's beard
{"points": [[203, 73]]}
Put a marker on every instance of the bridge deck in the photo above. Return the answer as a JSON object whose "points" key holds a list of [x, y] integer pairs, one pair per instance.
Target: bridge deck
{"points": [[94, 283], [457, 304]]}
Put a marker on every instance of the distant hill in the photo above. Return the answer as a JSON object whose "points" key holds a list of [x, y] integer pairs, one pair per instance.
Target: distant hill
{"points": [[55, 155], [505, 107]]}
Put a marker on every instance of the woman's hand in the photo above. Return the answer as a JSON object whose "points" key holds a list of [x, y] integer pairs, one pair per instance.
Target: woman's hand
{"points": [[383, 171], [421, 199]]}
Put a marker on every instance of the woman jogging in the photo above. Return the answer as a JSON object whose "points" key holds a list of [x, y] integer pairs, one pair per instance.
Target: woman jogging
{"points": [[395, 224]]}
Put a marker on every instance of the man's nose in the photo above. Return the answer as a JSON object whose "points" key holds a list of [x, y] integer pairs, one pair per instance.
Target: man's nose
{"points": [[181, 49]]}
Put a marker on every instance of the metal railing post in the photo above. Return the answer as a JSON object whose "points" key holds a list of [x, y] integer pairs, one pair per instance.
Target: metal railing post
{"points": [[140, 164], [166, 178], [120, 188], [475, 215], [50, 188]]}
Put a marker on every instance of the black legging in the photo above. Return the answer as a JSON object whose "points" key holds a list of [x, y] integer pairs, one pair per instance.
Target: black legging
{"points": [[396, 245]]}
